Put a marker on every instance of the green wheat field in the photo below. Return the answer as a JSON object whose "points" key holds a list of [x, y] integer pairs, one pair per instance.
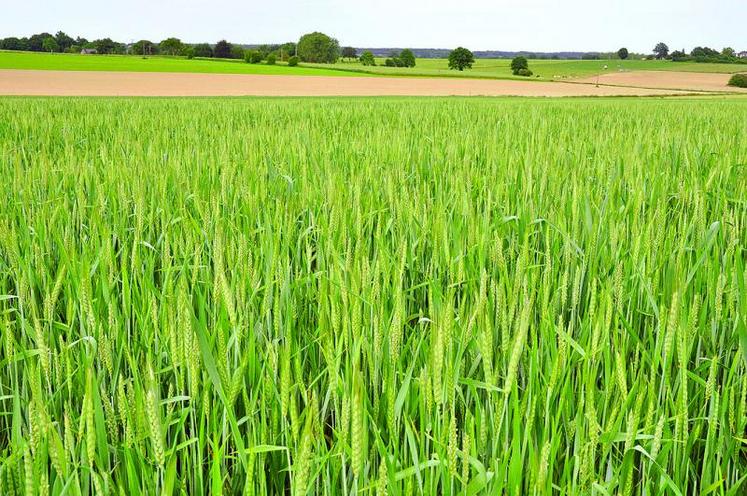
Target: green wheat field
{"points": [[373, 296]]}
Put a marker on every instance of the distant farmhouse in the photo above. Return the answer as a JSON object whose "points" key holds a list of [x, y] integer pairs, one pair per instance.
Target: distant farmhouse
{"points": [[88, 51], [742, 55]]}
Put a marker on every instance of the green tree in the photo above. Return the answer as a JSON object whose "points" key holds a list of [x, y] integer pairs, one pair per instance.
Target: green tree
{"points": [[171, 46], [271, 59], [460, 58], [407, 57], [728, 52], [367, 58], [293, 61], [64, 42], [519, 63], [287, 50], [144, 47], [349, 53], [203, 50], [14, 43], [253, 56], [237, 52], [50, 44], [661, 50], [36, 42], [105, 46], [222, 50], [623, 53], [318, 47]]}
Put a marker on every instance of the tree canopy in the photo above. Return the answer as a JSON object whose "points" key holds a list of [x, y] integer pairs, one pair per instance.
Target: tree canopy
{"points": [[661, 50], [318, 47], [460, 58], [407, 57], [222, 50], [349, 53], [367, 58], [144, 47], [171, 46], [623, 53]]}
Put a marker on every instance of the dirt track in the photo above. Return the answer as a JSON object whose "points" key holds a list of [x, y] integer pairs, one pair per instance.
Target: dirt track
{"points": [[696, 81], [74, 83]]}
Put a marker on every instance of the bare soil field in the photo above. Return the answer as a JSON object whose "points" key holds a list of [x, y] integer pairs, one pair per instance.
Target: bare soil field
{"points": [[86, 83], [695, 81]]}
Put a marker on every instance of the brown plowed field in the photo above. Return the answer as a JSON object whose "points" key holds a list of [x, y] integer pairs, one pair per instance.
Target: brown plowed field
{"points": [[85, 83]]}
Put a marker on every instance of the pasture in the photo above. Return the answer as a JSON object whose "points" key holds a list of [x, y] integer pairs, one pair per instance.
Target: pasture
{"points": [[377, 296]]}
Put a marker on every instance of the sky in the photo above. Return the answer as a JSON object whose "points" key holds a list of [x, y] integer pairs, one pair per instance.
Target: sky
{"points": [[532, 25]]}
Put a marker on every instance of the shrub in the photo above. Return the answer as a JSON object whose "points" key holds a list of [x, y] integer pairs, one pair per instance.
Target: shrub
{"points": [[271, 59], [293, 61], [523, 72], [252, 57], [367, 58], [738, 80]]}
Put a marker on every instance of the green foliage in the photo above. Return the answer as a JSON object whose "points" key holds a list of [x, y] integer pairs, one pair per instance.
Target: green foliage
{"points": [[243, 304], [238, 52], [349, 53], [271, 59], [407, 58], [253, 56], [144, 47], [171, 46], [661, 50], [523, 72], [623, 53], [64, 42], [518, 64], [738, 80], [36, 42], [50, 44], [460, 58], [106, 46], [319, 48], [293, 61], [367, 58], [14, 43], [222, 50], [203, 50]]}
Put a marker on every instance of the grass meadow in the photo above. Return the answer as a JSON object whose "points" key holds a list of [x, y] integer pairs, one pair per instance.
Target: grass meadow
{"points": [[545, 70], [373, 296], [134, 63]]}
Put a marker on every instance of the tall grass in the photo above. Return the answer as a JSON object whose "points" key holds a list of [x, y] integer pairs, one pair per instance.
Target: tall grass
{"points": [[379, 296]]}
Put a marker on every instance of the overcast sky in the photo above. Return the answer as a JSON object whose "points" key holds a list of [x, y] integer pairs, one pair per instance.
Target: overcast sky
{"points": [[535, 25]]}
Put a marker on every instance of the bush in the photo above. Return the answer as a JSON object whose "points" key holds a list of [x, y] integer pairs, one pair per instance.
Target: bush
{"points": [[738, 80], [523, 72], [252, 57], [293, 61], [367, 58], [271, 59]]}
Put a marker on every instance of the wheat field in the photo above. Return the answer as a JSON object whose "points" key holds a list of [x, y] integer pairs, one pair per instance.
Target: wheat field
{"points": [[373, 296]]}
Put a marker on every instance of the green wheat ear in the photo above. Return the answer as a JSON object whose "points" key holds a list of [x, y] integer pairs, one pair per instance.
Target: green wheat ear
{"points": [[391, 296]]}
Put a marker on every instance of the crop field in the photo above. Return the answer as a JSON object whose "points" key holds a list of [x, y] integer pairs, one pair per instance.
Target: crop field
{"points": [[373, 296]]}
